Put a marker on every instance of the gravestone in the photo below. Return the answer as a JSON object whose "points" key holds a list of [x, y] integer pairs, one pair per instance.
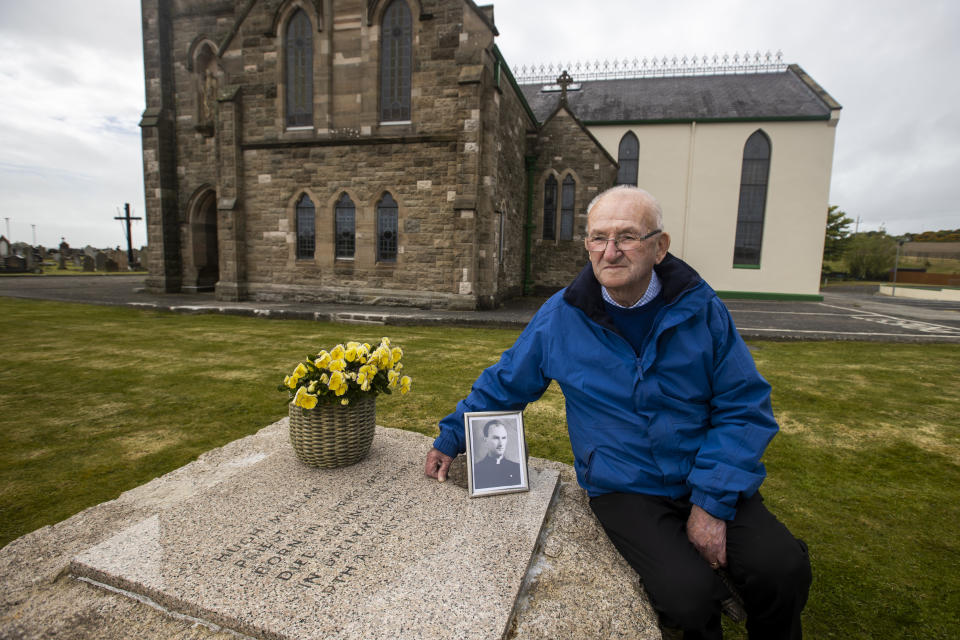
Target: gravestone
{"points": [[100, 260], [88, 263], [370, 551], [575, 586]]}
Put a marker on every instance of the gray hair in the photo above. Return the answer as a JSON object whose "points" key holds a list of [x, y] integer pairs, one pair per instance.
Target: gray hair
{"points": [[653, 205]]}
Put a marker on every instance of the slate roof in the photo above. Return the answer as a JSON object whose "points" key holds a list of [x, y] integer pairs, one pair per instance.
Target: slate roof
{"points": [[786, 95]]}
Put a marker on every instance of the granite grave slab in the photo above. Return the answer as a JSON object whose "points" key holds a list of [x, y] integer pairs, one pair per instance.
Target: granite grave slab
{"points": [[370, 551]]}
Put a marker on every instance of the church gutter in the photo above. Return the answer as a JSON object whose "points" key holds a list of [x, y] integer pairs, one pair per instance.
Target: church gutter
{"points": [[604, 123]]}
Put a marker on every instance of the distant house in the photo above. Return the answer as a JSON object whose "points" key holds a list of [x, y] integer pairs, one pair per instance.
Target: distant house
{"points": [[382, 151], [5, 248]]}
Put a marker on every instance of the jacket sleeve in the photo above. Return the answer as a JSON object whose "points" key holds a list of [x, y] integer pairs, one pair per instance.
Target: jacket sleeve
{"points": [[741, 424], [514, 381]]}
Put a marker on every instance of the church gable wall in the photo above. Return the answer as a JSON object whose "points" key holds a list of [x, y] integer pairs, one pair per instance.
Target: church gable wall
{"points": [[430, 164], [565, 149]]}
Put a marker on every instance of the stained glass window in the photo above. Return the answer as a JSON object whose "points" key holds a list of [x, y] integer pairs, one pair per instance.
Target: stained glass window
{"points": [[299, 45], [567, 198], [345, 215], [396, 46], [387, 228], [753, 200], [306, 228], [629, 159], [550, 208]]}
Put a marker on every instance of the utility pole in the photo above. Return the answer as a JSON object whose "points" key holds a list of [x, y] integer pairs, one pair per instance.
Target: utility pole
{"points": [[34, 227], [126, 218], [8, 228]]}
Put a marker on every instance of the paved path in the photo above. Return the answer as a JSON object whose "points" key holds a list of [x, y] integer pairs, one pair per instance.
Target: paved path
{"points": [[852, 314]]}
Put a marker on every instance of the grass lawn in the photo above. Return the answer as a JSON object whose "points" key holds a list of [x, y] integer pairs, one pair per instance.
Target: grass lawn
{"points": [[97, 400]]}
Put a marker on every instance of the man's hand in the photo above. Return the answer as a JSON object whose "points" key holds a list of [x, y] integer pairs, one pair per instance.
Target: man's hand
{"points": [[437, 465], [708, 535]]}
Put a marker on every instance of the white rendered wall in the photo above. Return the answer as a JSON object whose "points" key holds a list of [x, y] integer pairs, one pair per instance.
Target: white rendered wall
{"points": [[694, 170]]}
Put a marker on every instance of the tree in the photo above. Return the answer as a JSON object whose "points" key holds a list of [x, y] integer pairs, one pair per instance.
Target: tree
{"points": [[870, 255], [838, 233]]}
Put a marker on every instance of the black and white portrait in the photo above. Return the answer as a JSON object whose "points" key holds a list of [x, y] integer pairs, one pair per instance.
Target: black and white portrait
{"points": [[496, 452]]}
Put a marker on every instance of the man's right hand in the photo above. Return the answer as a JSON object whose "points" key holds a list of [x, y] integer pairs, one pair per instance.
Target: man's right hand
{"points": [[437, 465]]}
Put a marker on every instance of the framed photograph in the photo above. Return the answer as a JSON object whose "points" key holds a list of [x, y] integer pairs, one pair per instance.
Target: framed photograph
{"points": [[496, 453]]}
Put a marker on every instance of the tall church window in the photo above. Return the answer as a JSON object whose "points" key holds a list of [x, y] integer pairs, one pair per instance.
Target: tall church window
{"points": [[306, 229], [754, 176], [299, 52], [345, 219], [568, 194], [549, 208], [629, 159], [387, 227], [396, 46]]}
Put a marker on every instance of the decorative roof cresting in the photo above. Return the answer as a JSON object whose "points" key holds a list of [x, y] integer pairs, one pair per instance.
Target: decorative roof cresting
{"points": [[653, 67]]}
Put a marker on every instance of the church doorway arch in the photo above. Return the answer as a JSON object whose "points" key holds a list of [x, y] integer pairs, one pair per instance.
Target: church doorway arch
{"points": [[203, 240]]}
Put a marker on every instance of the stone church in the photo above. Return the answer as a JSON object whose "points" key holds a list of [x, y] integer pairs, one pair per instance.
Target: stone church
{"points": [[383, 152]]}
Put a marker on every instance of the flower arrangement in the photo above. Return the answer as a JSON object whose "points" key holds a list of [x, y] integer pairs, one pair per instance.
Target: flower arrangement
{"points": [[346, 372]]}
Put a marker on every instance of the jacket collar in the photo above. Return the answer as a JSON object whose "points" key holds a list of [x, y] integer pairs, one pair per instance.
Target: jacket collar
{"points": [[676, 276]]}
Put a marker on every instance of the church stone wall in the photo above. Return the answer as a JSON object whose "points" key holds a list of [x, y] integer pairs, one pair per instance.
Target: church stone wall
{"points": [[220, 129]]}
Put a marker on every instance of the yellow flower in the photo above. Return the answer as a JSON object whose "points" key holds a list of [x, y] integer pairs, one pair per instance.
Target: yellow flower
{"points": [[291, 381], [395, 354], [392, 378], [342, 389], [405, 383], [382, 356], [324, 378], [312, 387], [385, 341], [345, 401], [304, 399], [337, 365], [323, 359], [337, 352], [336, 380], [350, 354], [300, 371]]}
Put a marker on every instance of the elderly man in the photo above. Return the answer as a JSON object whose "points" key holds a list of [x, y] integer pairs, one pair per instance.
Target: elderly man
{"points": [[668, 419]]}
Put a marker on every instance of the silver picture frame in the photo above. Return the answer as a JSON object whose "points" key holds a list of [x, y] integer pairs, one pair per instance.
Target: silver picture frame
{"points": [[496, 453]]}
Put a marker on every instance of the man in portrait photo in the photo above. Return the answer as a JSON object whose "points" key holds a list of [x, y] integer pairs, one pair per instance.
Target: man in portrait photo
{"points": [[494, 469]]}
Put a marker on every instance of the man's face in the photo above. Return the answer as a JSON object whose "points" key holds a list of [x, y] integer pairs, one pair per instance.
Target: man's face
{"points": [[625, 274], [497, 440]]}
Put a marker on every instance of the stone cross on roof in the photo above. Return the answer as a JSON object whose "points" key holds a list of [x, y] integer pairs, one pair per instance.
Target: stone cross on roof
{"points": [[564, 81]]}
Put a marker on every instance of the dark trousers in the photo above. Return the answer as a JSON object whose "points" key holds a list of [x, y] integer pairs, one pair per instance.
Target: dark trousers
{"points": [[769, 567]]}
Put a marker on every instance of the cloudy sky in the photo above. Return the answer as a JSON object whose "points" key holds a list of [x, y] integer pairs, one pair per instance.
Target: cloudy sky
{"points": [[71, 96]]}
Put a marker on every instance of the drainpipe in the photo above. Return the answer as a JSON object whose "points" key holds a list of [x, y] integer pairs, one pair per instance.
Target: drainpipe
{"points": [[531, 164]]}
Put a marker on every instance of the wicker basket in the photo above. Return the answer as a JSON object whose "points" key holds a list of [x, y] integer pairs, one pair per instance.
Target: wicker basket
{"points": [[333, 435]]}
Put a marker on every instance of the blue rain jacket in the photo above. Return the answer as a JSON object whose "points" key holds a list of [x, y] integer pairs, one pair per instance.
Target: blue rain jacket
{"points": [[690, 416]]}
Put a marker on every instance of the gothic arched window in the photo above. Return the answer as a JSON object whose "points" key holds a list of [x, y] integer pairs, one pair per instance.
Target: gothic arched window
{"points": [[753, 200], [396, 53], [299, 61], [306, 229], [345, 215], [550, 208], [629, 158], [568, 194], [387, 229]]}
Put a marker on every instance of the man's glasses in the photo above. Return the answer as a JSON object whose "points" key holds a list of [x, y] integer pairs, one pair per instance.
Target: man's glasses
{"points": [[624, 242]]}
